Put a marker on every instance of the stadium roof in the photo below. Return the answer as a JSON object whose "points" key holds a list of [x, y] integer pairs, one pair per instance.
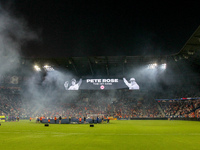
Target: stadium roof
{"points": [[119, 65], [191, 49], [98, 65]]}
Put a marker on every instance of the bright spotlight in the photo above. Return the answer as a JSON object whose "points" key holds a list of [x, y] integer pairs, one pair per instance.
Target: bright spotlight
{"points": [[163, 66], [37, 68], [48, 68], [152, 66]]}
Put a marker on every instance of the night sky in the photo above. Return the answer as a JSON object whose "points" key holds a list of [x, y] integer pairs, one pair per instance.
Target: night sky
{"points": [[106, 28]]}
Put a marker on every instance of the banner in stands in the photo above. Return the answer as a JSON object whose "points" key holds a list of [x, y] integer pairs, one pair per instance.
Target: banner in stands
{"points": [[2, 118], [101, 84]]}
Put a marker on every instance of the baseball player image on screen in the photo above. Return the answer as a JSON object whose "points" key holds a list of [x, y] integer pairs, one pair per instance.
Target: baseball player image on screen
{"points": [[74, 85], [132, 85]]}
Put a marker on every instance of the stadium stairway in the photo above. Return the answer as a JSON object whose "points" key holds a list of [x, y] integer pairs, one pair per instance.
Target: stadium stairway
{"points": [[144, 111], [160, 109]]}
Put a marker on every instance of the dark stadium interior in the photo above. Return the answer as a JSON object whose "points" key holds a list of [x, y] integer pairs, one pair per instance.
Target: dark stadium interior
{"points": [[35, 95], [25, 91], [81, 74]]}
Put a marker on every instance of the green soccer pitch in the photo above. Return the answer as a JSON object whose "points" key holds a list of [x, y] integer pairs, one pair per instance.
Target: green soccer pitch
{"points": [[122, 135]]}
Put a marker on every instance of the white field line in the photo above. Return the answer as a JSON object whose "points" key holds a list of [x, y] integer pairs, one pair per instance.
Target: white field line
{"points": [[102, 134]]}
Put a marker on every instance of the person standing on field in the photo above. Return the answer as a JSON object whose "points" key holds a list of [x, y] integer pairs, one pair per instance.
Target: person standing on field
{"points": [[80, 119], [84, 119], [55, 119], [60, 118]]}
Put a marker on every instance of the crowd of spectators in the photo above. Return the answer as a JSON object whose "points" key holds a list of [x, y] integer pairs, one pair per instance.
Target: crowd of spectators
{"points": [[121, 105], [152, 109], [179, 108], [127, 109]]}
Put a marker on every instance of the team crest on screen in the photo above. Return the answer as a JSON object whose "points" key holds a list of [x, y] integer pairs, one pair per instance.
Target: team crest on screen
{"points": [[102, 87]]}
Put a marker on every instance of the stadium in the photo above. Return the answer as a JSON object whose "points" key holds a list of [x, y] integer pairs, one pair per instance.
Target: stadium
{"points": [[101, 102]]}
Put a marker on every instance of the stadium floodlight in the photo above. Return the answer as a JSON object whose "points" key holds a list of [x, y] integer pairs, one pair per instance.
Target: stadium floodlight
{"points": [[48, 68], [37, 68], [152, 66], [163, 66], [190, 52]]}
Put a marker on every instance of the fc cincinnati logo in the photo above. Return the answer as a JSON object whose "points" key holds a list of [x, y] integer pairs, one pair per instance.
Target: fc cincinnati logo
{"points": [[102, 87]]}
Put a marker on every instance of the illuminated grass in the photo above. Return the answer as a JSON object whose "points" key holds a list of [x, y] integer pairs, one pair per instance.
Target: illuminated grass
{"points": [[131, 134]]}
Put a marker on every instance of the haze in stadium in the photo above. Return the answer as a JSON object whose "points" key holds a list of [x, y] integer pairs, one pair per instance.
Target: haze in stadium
{"points": [[103, 75]]}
